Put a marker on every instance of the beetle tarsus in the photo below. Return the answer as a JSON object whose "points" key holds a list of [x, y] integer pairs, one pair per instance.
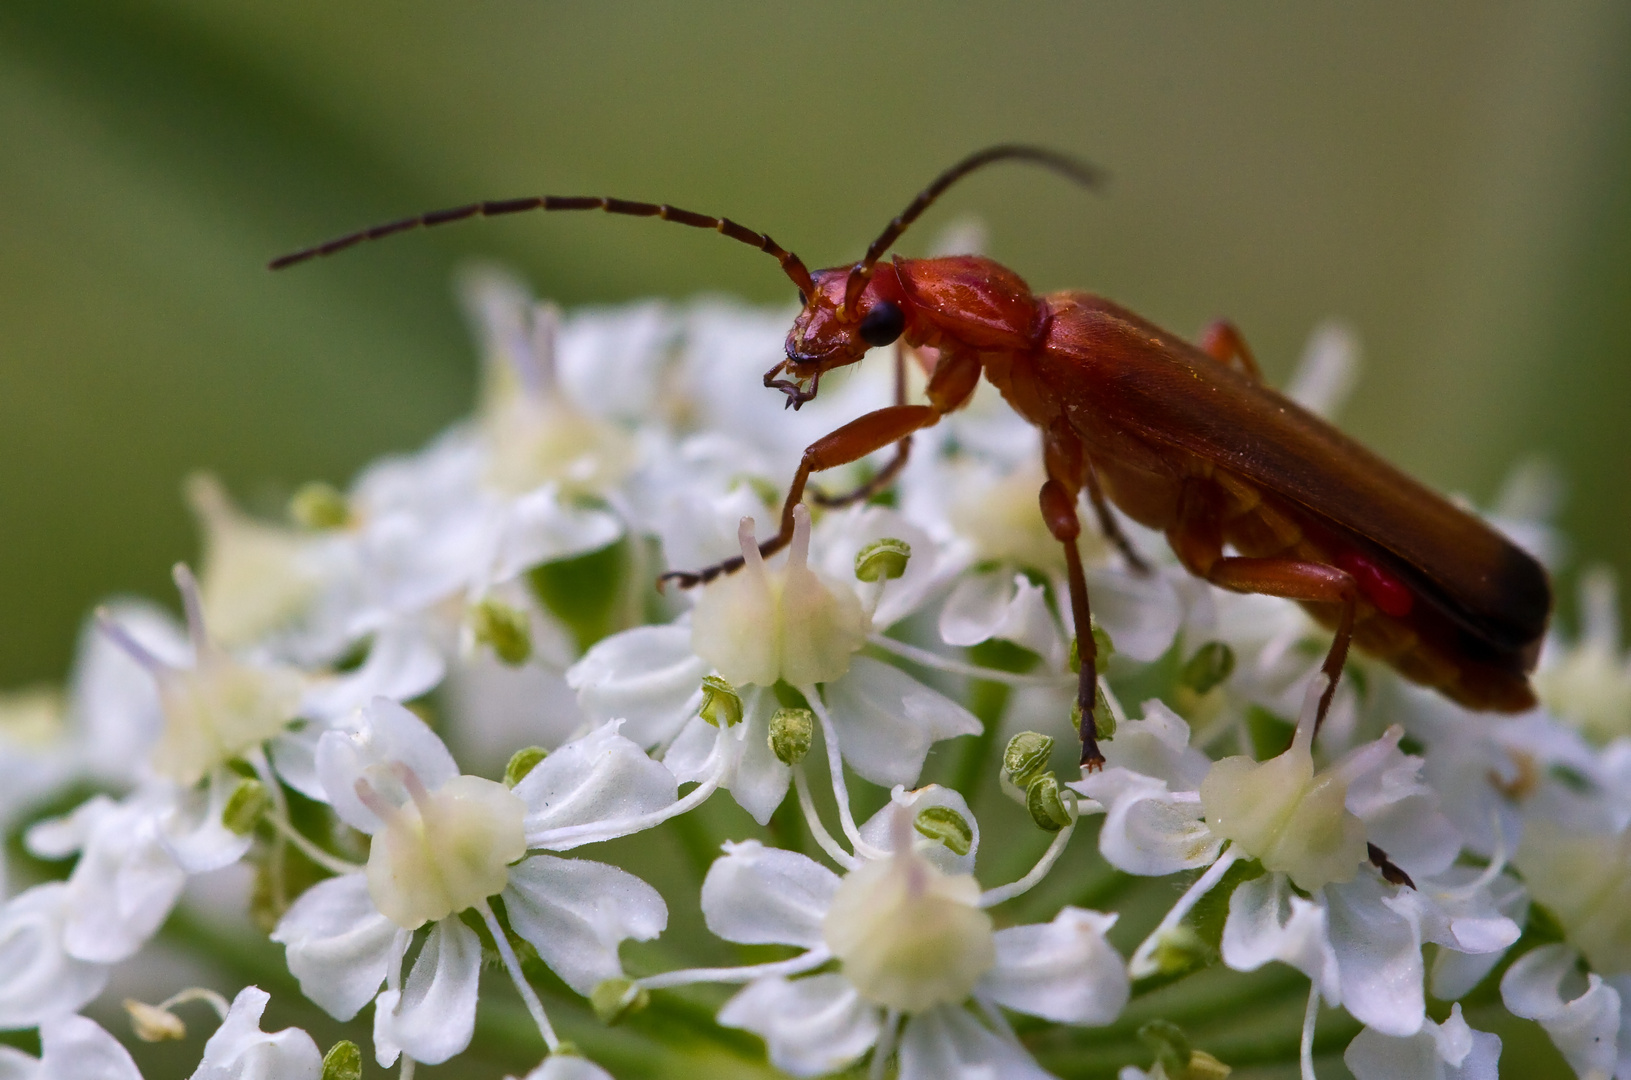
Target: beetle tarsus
{"points": [[1391, 872]]}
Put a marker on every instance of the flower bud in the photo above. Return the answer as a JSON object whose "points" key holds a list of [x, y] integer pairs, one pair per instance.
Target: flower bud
{"points": [[882, 559], [1025, 758], [521, 763], [721, 704], [946, 825], [244, 808], [503, 629], [1047, 807], [151, 1023], [319, 506], [1212, 664], [791, 731], [615, 999], [343, 1061]]}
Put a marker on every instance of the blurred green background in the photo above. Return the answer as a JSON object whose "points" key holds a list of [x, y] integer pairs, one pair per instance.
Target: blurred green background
{"points": [[1454, 180]]}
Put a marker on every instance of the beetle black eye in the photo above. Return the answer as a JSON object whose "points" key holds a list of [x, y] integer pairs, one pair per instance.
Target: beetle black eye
{"points": [[883, 324]]}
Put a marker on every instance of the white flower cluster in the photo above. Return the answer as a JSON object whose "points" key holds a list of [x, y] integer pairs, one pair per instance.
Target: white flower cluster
{"points": [[315, 735]]}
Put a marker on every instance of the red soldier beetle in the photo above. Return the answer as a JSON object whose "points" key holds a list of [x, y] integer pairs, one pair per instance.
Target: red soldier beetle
{"points": [[1183, 438]]}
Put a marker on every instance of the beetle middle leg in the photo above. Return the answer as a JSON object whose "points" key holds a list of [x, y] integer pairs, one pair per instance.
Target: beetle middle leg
{"points": [[1309, 582], [1110, 527], [1223, 342]]}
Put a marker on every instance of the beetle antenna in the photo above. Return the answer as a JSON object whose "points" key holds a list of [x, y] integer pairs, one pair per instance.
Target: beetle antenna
{"points": [[791, 264], [1085, 174]]}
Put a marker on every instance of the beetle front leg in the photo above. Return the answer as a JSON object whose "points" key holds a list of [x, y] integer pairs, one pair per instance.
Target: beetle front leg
{"points": [[1059, 511], [886, 475], [1309, 582], [853, 441]]}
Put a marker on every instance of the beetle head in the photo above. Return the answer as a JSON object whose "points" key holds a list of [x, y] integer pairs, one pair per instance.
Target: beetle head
{"points": [[826, 335]]}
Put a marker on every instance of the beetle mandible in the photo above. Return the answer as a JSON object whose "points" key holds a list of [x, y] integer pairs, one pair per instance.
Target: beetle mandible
{"points": [[1183, 438]]}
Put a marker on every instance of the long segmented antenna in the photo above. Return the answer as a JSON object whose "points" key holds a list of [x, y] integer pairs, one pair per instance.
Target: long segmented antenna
{"points": [[791, 265], [1089, 176]]}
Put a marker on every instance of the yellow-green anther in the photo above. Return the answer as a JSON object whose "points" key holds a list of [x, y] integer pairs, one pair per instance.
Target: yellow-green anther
{"points": [[245, 806], [1103, 650], [1046, 805], [1203, 1066], [615, 999], [1180, 950], [522, 762], [343, 1061], [882, 559], [1025, 757], [504, 629], [566, 1048], [1211, 664], [153, 1024], [1171, 1047], [721, 704], [946, 825], [790, 733], [319, 506]]}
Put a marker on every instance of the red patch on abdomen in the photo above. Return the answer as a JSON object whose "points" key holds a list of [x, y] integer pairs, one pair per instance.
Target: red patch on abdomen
{"points": [[1390, 595]]}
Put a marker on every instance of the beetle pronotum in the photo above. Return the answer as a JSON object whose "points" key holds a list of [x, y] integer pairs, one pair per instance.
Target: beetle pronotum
{"points": [[1184, 438]]}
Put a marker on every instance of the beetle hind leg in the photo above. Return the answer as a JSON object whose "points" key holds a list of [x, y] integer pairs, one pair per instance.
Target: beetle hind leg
{"points": [[1309, 582]]}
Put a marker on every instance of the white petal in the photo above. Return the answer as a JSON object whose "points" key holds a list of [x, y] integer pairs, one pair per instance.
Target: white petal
{"points": [[1268, 922], [1063, 970], [576, 913], [841, 536], [240, 1050], [1452, 1051], [1158, 746], [568, 1067], [294, 757], [1377, 943], [339, 945], [1585, 1028], [600, 777], [648, 676], [1146, 830], [812, 1026], [756, 895], [113, 700], [386, 1050], [1482, 926], [402, 663], [887, 720], [38, 979], [192, 830], [123, 887], [368, 747], [1141, 613], [879, 832], [990, 605], [541, 528], [759, 780], [691, 756], [73, 1046], [947, 1043], [436, 1014]]}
